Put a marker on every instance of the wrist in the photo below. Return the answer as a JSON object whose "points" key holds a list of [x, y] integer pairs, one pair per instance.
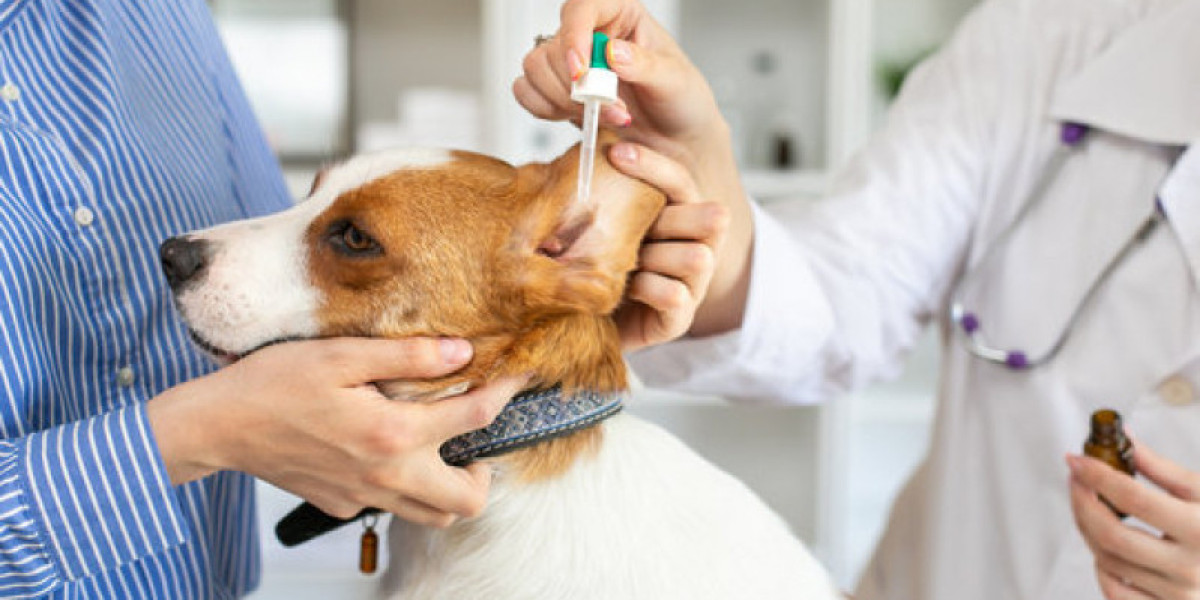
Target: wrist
{"points": [[720, 180], [180, 419]]}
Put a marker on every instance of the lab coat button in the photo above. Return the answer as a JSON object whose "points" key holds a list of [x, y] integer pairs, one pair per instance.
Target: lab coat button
{"points": [[1177, 391], [125, 376], [10, 92], [84, 216]]}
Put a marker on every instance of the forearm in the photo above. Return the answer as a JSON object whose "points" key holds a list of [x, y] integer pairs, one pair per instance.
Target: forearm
{"points": [[718, 177]]}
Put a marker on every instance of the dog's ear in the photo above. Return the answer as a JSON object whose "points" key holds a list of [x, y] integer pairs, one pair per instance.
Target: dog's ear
{"points": [[580, 254]]}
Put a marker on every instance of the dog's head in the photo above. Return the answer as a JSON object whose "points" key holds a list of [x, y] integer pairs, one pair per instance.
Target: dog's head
{"points": [[419, 242]]}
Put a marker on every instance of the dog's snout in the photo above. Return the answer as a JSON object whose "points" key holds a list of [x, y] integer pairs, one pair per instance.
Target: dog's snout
{"points": [[182, 259]]}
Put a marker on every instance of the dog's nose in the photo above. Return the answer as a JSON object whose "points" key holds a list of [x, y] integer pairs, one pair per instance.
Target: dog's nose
{"points": [[182, 258]]}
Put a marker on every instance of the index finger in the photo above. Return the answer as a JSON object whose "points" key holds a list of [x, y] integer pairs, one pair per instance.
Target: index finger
{"points": [[1151, 506], [579, 18], [657, 170]]}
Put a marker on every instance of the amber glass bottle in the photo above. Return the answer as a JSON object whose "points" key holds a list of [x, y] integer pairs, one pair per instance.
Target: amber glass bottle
{"points": [[1107, 442]]}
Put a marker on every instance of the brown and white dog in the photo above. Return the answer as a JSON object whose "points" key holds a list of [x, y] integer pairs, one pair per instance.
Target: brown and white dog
{"points": [[437, 243]]}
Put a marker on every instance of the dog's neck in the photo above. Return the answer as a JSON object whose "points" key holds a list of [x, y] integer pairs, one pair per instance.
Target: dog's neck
{"points": [[574, 351], [577, 352]]}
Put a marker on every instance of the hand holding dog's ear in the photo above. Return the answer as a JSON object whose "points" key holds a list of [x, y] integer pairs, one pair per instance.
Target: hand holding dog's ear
{"points": [[667, 106], [678, 255], [305, 417]]}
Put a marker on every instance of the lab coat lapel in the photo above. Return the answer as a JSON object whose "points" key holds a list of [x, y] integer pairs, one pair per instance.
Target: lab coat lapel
{"points": [[1146, 85], [1041, 273], [1180, 198]]}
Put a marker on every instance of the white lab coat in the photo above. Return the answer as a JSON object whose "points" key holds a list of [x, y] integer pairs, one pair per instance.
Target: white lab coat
{"points": [[840, 291]]}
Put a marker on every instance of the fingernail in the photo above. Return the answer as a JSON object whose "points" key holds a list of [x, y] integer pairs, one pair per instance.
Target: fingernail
{"points": [[575, 65], [617, 114], [455, 352], [619, 52], [624, 153]]}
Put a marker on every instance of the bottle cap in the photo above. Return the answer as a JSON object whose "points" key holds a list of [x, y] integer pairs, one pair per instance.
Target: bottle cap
{"points": [[599, 50], [1106, 422], [598, 82]]}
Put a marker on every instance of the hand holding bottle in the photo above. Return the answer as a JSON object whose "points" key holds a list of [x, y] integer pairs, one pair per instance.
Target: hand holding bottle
{"points": [[1132, 563]]}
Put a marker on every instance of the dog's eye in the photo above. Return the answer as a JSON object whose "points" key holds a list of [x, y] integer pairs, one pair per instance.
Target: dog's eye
{"points": [[348, 239]]}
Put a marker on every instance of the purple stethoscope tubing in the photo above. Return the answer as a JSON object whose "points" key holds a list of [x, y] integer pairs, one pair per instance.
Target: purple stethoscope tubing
{"points": [[968, 324]]}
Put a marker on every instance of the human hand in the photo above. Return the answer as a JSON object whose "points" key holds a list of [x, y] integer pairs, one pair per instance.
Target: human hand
{"points": [[1131, 563], [667, 106], [677, 258], [305, 417], [665, 102]]}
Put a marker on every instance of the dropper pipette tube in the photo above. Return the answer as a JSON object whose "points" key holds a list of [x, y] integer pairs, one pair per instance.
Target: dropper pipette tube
{"points": [[595, 88], [587, 153]]}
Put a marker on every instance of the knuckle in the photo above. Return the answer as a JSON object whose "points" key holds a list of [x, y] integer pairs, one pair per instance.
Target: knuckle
{"points": [[719, 218], [382, 478], [421, 353], [673, 297], [480, 415], [1192, 485], [530, 62], [1113, 540], [567, 9], [1190, 528], [700, 258], [1190, 576], [388, 436], [333, 355]]}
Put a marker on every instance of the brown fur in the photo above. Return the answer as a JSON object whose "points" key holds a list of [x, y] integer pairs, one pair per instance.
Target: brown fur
{"points": [[497, 255]]}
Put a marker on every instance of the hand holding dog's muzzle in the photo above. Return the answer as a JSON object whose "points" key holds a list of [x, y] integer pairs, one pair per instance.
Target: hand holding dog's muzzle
{"points": [[304, 417]]}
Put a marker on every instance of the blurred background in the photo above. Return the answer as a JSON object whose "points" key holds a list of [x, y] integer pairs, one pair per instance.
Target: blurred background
{"points": [[802, 84]]}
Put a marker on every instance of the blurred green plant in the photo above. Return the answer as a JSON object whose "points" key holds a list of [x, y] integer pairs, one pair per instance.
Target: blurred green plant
{"points": [[890, 74]]}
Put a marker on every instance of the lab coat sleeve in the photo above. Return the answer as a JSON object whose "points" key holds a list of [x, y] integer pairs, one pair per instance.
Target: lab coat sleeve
{"points": [[82, 498], [841, 288]]}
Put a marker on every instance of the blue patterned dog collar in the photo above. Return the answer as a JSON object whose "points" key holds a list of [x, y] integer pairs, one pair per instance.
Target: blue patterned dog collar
{"points": [[529, 418], [533, 417]]}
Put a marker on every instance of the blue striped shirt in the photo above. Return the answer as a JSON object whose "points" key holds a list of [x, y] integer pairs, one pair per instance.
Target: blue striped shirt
{"points": [[121, 124]]}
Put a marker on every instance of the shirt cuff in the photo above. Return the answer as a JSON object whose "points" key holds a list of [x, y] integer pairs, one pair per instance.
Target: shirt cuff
{"points": [[775, 357], [98, 492]]}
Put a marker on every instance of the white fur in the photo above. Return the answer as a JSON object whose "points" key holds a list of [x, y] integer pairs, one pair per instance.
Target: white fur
{"points": [[646, 518], [256, 287]]}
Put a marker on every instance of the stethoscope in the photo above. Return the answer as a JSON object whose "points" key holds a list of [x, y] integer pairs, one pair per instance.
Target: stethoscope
{"points": [[969, 326]]}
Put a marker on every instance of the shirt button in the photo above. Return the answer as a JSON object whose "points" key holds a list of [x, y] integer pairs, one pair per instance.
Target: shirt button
{"points": [[1177, 391], [10, 92], [125, 376], [84, 216]]}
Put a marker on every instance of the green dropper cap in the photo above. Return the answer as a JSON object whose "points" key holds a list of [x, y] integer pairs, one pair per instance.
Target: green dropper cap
{"points": [[599, 50]]}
